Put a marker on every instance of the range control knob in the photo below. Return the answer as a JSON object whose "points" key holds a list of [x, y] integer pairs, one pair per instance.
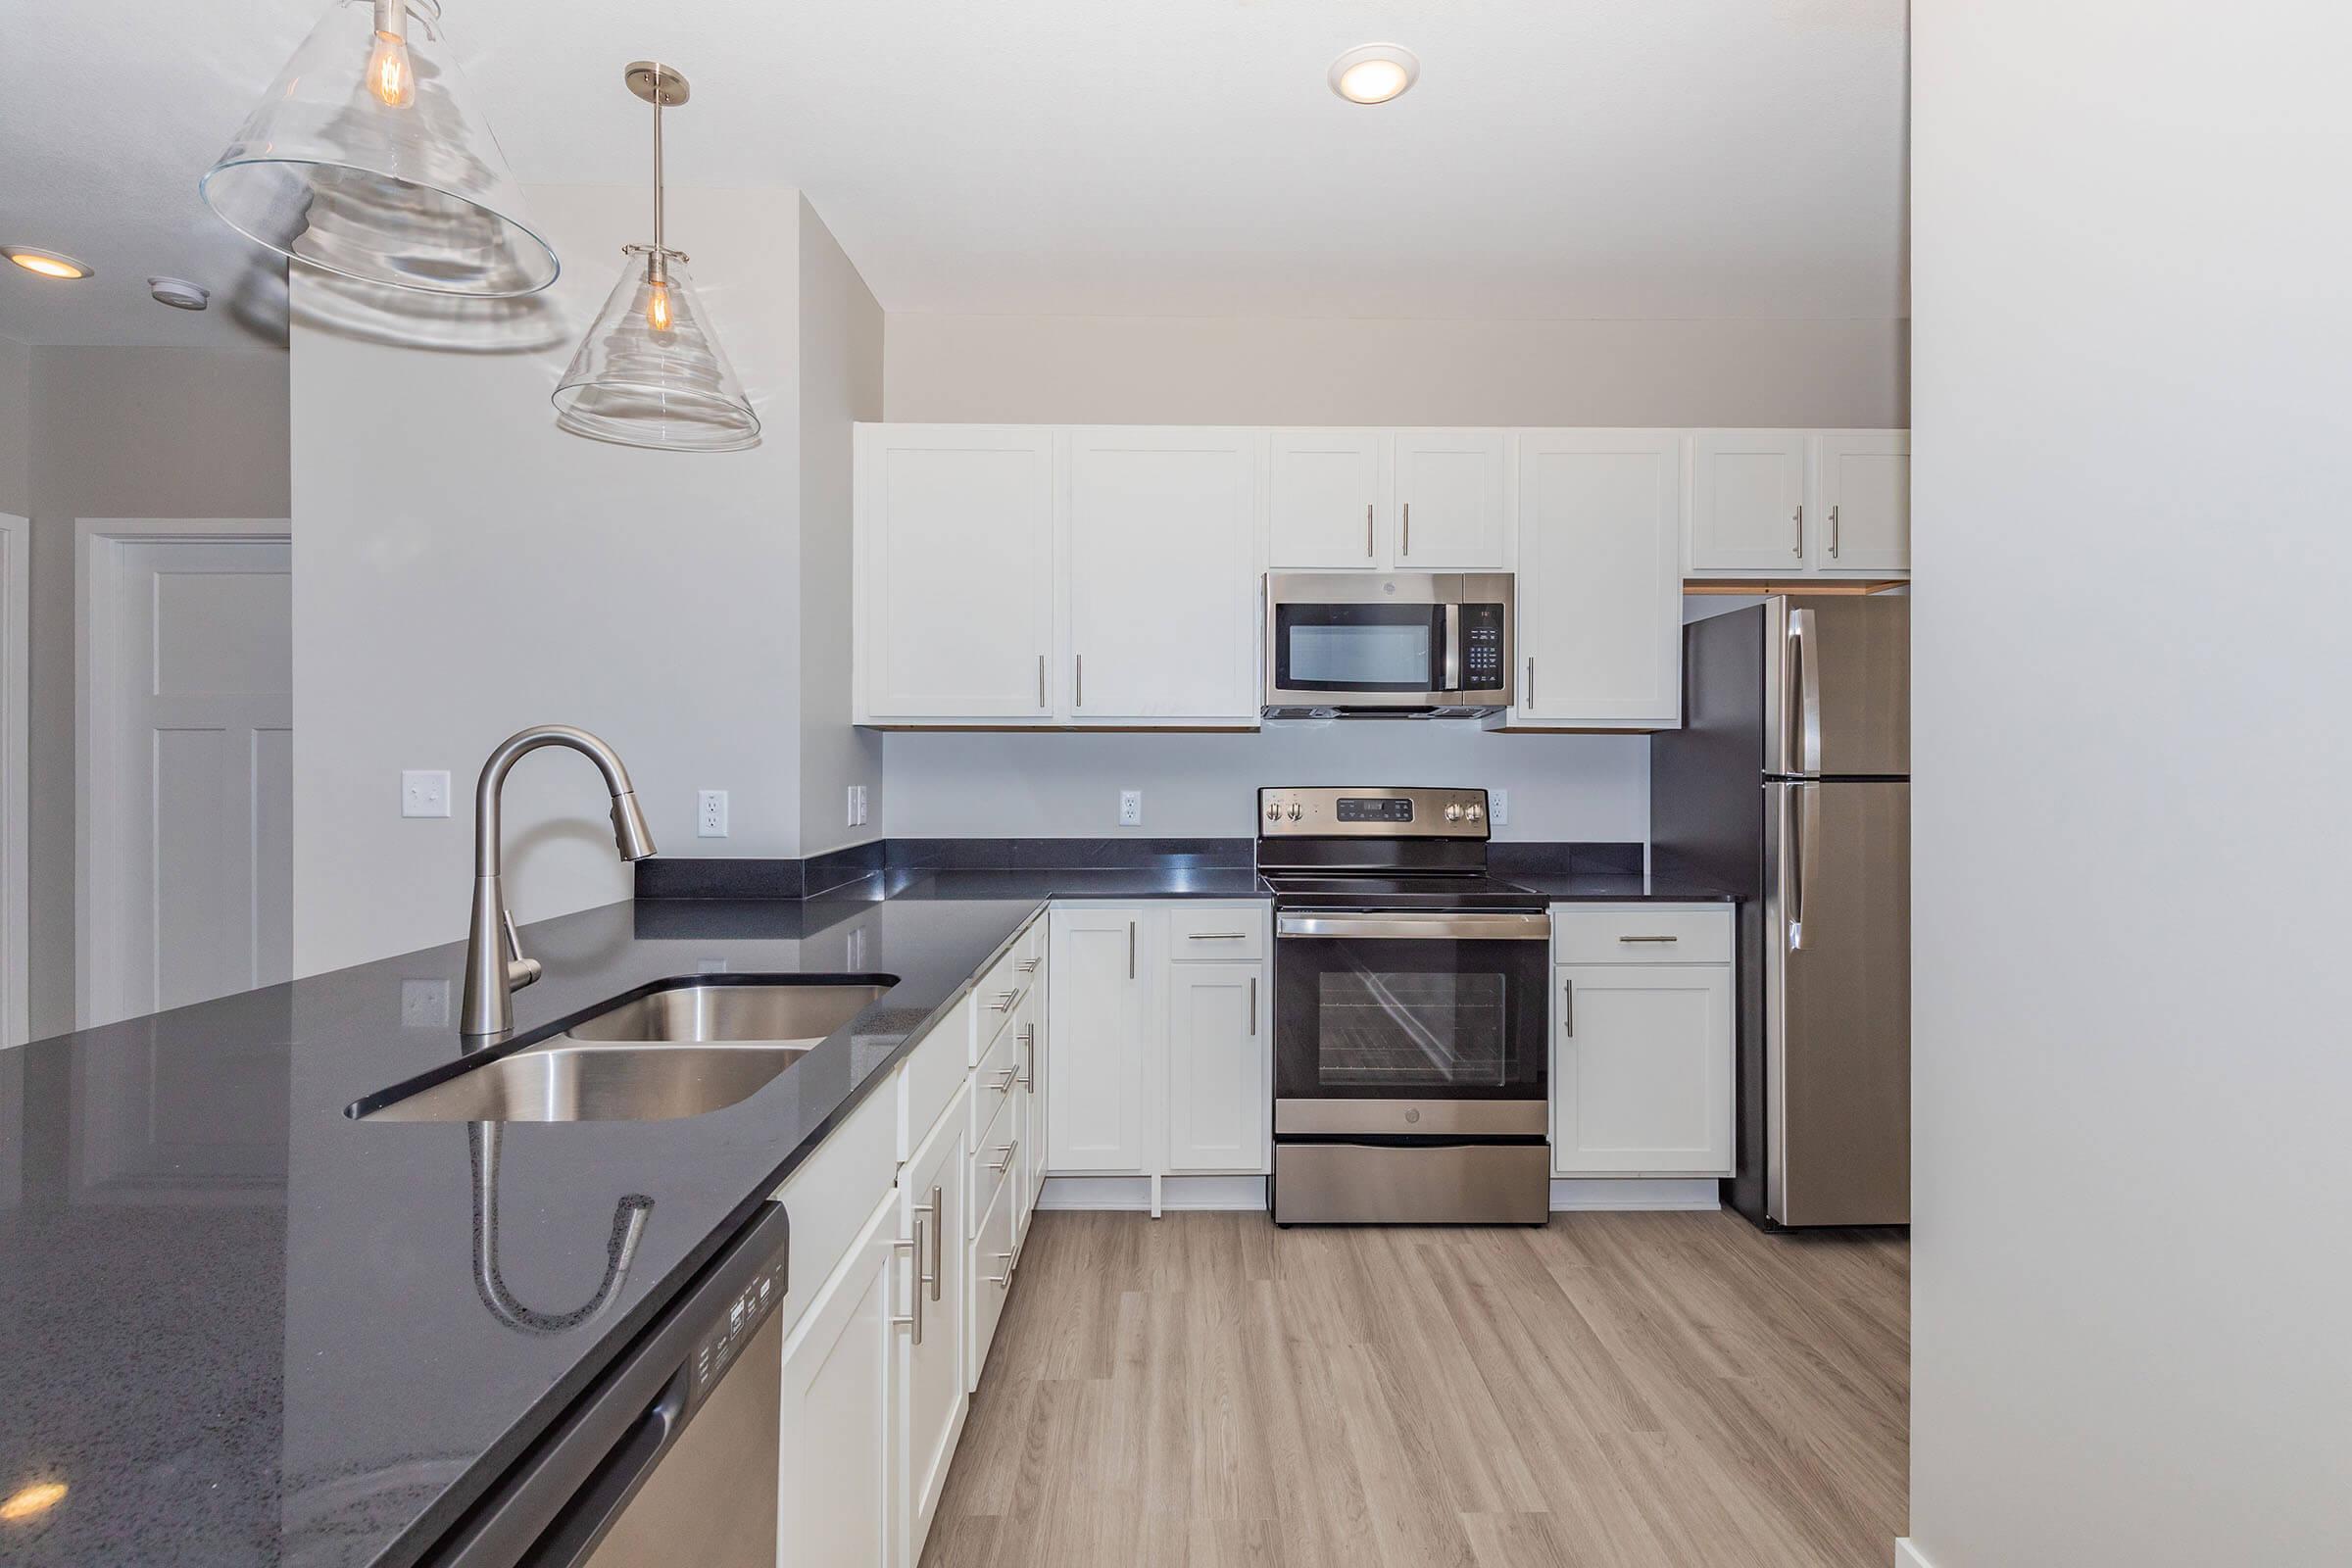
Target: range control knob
{"points": [[1453, 811], [1273, 814], [1474, 812], [1295, 812]]}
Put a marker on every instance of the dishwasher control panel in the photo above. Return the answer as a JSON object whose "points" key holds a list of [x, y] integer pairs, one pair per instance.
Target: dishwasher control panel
{"points": [[725, 1339]]}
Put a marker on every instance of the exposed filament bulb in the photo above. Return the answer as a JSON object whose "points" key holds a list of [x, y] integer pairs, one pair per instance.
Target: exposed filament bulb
{"points": [[656, 307], [391, 75]]}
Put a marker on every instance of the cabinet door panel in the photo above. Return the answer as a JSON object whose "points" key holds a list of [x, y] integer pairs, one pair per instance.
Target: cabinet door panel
{"points": [[1601, 639], [1865, 503], [932, 1220], [1748, 497], [957, 554], [1095, 1074], [1162, 579], [1325, 500], [1449, 501], [1641, 1080], [1219, 1054], [837, 1476]]}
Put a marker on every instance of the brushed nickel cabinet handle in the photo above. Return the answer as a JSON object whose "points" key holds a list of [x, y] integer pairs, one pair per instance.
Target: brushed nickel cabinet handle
{"points": [[1003, 1083], [1003, 1001], [1798, 549], [937, 1230], [1568, 1007], [1000, 1166], [1217, 936], [1078, 680], [1531, 681], [914, 1319], [1367, 531], [1004, 1278], [1041, 680], [1832, 533], [1650, 939], [1131, 950], [1408, 529], [1030, 967], [1253, 1006]]}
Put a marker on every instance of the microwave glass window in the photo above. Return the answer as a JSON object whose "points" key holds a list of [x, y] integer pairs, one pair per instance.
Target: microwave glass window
{"points": [[1360, 654], [1411, 1028]]}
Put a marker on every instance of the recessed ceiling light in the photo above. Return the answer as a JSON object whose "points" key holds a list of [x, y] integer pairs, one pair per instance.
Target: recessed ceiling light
{"points": [[179, 293], [47, 263], [1374, 73]]}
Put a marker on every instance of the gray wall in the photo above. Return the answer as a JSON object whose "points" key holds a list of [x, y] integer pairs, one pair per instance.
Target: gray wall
{"points": [[16, 428], [840, 383], [2131, 1066], [1187, 370], [1313, 372], [123, 432]]}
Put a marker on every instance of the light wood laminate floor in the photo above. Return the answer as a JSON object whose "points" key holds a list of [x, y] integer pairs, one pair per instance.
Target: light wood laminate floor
{"points": [[1615, 1391]]}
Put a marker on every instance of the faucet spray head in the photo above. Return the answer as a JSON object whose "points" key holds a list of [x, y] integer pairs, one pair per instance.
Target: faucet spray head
{"points": [[629, 832]]}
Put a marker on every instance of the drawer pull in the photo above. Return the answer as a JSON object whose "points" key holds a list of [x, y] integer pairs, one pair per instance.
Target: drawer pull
{"points": [[1003, 1083], [1028, 966], [1218, 936], [1650, 939], [1005, 1277], [1568, 1007], [1000, 1164], [1003, 1001]]}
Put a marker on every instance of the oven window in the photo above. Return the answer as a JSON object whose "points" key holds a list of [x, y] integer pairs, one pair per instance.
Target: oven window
{"points": [[1401, 1029], [1359, 647]]}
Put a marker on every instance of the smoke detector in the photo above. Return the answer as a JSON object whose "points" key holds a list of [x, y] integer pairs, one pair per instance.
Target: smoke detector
{"points": [[179, 293]]}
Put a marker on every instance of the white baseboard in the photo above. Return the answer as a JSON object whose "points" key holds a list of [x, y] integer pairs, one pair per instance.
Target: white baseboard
{"points": [[1906, 1555], [1225, 1194], [1576, 1194], [1133, 1194]]}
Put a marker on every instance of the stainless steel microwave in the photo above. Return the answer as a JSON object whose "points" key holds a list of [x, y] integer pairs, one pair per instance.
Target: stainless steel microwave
{"points": [[1388, 645]]}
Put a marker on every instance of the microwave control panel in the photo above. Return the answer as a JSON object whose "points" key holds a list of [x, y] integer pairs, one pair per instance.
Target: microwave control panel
{"points": [[1482, 648]]}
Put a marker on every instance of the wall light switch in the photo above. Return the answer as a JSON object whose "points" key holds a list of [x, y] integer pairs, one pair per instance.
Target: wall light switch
{"points": [[710, 815], [1498, 807], [1131, 807], [424, 792]]}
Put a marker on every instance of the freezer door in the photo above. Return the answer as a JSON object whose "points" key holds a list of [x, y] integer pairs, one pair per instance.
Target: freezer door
{"points": [[1838, 1012], [1839, 686]]}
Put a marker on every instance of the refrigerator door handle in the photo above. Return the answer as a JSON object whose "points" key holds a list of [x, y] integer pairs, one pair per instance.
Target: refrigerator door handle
{"points": [[1805, 713], [1801, 805]]}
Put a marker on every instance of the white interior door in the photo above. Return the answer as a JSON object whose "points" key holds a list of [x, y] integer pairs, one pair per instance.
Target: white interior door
{"points": [[189, 727]]}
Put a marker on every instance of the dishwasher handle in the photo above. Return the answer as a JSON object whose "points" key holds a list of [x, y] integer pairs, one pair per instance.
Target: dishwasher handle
{"points": [[555, 1501]]}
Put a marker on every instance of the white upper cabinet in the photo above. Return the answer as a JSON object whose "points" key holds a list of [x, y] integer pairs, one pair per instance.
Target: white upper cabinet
{"points": [[955, 572], [1324, 499], [1450, 512], [1599, 580], [1748, 501], [1864, 502], [1163, 582]]}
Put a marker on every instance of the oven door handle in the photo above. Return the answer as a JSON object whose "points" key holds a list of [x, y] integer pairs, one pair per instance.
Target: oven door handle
{"points": [[1413, 926]]}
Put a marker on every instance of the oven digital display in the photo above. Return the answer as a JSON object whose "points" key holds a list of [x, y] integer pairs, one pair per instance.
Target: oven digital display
{"points": [[1362, 808]]}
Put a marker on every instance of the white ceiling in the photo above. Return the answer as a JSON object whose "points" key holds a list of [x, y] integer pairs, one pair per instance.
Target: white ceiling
{"points": [[1687, 159]]}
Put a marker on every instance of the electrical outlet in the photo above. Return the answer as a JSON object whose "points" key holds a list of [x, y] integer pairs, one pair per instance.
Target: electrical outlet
{"points": [[1131, 807], [709, 966], [856, 812], [424, 792], [710, 815], [1498, 807]]}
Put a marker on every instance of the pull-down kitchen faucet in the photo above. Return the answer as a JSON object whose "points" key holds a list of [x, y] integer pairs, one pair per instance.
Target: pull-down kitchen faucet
{"points": [[495, 967]]}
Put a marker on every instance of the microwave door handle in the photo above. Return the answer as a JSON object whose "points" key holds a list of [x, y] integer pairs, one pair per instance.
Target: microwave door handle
{"points": [[1451, 677]]}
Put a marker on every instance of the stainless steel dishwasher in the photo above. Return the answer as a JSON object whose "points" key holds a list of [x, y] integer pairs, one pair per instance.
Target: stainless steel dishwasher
{"points": [[671, 1457]]}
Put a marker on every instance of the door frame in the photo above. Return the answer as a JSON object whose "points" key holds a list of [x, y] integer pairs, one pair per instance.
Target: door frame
{"points": [[93, 579], [15, 733]]}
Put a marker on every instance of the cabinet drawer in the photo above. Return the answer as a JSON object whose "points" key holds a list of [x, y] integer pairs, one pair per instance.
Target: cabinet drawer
{"points": [[831, 1194], [994, 999], [1673, 935], [991, 1276], [1217, 933], [992, 1079], [935, 1069], [995, 1156]]}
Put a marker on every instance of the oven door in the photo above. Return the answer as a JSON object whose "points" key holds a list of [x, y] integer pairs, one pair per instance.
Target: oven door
{"points": [[1410, 1023]]}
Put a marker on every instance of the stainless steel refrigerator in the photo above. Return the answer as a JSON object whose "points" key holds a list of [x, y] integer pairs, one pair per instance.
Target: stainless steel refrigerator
{"points": [[1790, 784]]}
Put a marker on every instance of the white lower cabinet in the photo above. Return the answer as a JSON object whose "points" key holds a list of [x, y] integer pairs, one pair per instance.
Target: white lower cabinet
{"points": [[992, 1278], [1220, 1067], [1101, 994], [1162, 1049], [836, 1482], [932, 1387], [1644, 1047]]}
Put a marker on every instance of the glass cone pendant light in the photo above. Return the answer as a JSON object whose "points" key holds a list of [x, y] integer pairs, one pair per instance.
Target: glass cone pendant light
{"points": [[365, 159], [650, 374]]}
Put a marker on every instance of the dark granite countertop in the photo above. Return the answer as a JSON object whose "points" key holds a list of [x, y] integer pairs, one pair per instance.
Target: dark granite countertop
{"points": [[1596, 887], [242, 1327]]}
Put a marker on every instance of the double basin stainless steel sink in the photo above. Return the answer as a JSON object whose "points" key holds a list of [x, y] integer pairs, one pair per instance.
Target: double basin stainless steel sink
{"points": [[679, 1049]]}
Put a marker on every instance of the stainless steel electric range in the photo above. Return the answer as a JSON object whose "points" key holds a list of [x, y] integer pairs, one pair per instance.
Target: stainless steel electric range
{"points": [[1410, 1048]]}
